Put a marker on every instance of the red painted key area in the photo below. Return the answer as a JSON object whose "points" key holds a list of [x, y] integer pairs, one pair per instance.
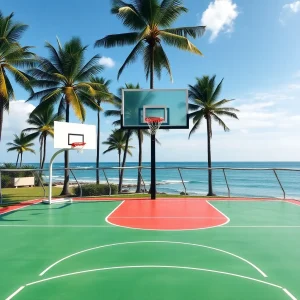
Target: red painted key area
{"points": [[167, 215]]}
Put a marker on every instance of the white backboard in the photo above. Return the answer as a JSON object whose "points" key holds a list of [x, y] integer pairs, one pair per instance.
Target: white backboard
{"points": [[67, 133]]}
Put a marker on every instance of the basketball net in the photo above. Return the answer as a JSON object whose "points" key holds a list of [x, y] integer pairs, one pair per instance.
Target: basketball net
{"points": [[79, 146], [154, 124]]}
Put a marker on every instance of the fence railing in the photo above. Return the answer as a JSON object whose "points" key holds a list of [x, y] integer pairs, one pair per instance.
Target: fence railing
{"points": [[37, 173]]}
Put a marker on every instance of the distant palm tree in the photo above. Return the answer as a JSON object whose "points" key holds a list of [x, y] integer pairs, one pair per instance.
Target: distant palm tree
{"points": [[100, 99], [21, 144], [117, 141], [204, 105], [65, 79], [12, 57], [43, 126], [151, 21]]}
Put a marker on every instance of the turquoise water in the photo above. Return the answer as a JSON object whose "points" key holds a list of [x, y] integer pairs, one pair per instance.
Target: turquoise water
{"points": [[242, 183]]}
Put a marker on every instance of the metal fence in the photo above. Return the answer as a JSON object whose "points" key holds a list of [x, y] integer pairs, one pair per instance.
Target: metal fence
{"points": [[40, 179]]}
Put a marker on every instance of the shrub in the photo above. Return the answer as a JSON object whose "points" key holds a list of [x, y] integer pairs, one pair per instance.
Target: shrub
{"points": [[96, 190], [6, 181]]}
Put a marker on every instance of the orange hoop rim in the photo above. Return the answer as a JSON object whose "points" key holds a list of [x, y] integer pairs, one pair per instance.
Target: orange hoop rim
{"points": [[78, 144], [154, 119]]}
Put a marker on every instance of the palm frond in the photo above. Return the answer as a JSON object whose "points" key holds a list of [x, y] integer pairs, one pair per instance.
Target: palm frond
{"points": [[121, 39]]}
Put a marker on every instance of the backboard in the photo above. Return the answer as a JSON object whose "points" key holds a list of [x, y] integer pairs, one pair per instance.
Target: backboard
{"points": [[67, 133], [169, 104]]}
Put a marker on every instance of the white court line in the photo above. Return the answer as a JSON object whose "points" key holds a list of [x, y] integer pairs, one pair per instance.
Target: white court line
{"points": [[228, 220], [106, 219], [262, 226], [289, 294], [161, 267], [15, 293], [57, 226], [166, 242], [115, 227]]}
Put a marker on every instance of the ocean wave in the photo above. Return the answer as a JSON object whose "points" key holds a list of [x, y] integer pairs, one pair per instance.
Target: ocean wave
{"points": [[173, 181]]}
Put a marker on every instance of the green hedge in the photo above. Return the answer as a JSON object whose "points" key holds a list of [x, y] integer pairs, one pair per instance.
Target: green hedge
{"points": [[96, 190]]}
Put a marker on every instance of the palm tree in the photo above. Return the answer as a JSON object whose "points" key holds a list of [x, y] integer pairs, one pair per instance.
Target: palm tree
{"points": [[21, 144], [151, 21], [204, 105], [12, 57], [43, 126], [65, 80], [100, 99], [117, 141]]}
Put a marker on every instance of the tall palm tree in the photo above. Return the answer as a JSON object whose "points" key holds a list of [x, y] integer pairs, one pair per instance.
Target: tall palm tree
{"points": [[150, 21], [205, 105], [21, 144], [117, 141], [13, 57], [42, 123], [100, 100], [64, 79]]}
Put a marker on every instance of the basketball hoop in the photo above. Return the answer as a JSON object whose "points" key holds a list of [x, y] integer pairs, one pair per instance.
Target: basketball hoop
{"points": [[154, 123], [78, 146]]}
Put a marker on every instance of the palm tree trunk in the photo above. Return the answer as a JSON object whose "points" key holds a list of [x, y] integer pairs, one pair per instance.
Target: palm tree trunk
{"points": [[124, 160], [120, 184], [98, 146], [44, 151], [21, 160], [66, 190], [138, 186], [210, 186], [17, 159], [41, 150]]}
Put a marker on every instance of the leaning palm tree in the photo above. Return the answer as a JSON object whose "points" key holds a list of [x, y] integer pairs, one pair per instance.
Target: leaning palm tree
{"points": [[150, 21], [64, 79], [13, 57], [21, 144], [42, 126], [204, 105], [100, 100], [117, 141]]}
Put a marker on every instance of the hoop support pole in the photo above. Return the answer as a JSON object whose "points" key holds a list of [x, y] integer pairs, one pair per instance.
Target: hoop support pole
{"points": [[153, 170], [50, 171]]}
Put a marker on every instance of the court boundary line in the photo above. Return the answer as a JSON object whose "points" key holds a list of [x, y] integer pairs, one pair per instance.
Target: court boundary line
{"points": [[153, 266], [166, 242], [16, 292], [185, 199], [115, 227]]}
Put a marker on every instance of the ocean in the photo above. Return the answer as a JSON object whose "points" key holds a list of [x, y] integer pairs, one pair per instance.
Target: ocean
{"points": [[248, 183]]}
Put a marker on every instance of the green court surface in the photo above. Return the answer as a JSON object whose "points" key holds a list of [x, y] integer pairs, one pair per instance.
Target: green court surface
{"points": [[74, 251]]}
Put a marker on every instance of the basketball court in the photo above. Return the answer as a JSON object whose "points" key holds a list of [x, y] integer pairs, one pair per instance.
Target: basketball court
{"points": [[151, 249], [172, 248]]}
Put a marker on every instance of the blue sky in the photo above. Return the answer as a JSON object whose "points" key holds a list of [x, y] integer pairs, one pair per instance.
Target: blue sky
{"points": [[254, 45]]}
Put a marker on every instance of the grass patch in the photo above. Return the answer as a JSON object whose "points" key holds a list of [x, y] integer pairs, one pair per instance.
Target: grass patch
{"points": [[22, 194]]}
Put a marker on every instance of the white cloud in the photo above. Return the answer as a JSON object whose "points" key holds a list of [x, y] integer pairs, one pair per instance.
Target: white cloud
{"points": [[294, 86], [15, 120], [293, 7], [219, 17], [288, 10], [107, 62]]}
